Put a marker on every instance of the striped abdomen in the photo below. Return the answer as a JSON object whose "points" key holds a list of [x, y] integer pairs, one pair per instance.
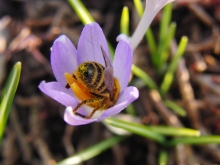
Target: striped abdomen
{"points": [[92, 74]]}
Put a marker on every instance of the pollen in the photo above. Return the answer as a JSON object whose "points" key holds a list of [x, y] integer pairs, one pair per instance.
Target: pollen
{"points": [[77, 87]]}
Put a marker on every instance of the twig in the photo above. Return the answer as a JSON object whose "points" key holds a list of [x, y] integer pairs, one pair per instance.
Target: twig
{"points": [[39, 143], [201, 14], [180, 154], [26, 152], [169, 117], [9, 149], [151, 116], [187, 93], [67, 140]]}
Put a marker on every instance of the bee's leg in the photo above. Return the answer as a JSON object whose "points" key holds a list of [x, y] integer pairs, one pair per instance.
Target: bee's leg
{"points": [[94, 110], [93, 100], [92, 113]]}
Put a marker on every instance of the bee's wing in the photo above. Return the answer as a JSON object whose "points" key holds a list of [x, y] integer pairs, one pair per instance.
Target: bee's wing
{"points": [[109, 80], [108, 73], [106, 59]]}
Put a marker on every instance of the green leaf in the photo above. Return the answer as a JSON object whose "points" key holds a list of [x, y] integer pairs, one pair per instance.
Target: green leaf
{"points": [[124, 25], [81, 11], [162, 53], [137, 129], [163, 158], [92, 151], [201, 140], [139, 7], [168, 78], [173, 131], [144, 76], [175, 107], [86, 18], [8, 96], [165, 21]]}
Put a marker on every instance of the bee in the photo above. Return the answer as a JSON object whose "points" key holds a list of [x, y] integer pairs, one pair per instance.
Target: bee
{"points": [[94, 85]]}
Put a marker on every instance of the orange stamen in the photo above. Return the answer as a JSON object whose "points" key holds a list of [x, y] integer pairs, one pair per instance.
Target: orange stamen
{"points": [[79, 93], [69, 78], [78, 88]]}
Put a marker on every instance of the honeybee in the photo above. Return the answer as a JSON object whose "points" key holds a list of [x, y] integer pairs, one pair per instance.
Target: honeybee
{"points": [[94, 85]]}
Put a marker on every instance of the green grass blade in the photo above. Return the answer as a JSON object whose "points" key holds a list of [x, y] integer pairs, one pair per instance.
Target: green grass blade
{"points": [[168, 78], [201, 140], [165, 37], [124, 24], [8, 96], [163, 158], [173, 131], [149, 34], [144, 76], [139, 7], [137, 129], [86, 17], [165, 21], [151, 42], [81, 11], [175, 107], [166, 44], [92, 151], [180, 51], [163, 48]]}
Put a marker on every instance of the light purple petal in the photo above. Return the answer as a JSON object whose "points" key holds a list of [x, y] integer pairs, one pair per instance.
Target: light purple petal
{"points": [[89, 44], [122, 63], [63, 58], [150, 11], [126, 97], [123, 37], [59, 93], [72, 119]]}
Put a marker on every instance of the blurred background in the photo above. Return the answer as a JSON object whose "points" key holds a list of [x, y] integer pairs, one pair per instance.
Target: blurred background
{"points": [[36, 133]]}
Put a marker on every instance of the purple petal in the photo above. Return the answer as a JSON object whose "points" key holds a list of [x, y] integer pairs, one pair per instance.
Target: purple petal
{"points": [[126, 97], [123, 37], [59, 93], [122, 63], [63, 58], [89, 44], [72, 119], [151, 9]]}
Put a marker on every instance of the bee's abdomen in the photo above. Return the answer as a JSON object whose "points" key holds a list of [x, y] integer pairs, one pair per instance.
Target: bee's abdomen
{"points": [[92, 74]]}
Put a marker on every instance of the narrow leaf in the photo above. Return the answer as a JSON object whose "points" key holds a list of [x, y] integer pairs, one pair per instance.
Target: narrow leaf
{"points": [[173, 131], [144, 76], [81, 11], [168, 78], [201, 140], [175, 107], [91, 152], [8, 96], [124, 25], [138, 129], [86, 17], [163, 158]]}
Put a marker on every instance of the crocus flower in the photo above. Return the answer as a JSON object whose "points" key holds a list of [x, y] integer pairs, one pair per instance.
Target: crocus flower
{"points": [[151, 9], [66, 59]]}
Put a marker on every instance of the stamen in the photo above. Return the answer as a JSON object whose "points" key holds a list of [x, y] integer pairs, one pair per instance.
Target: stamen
{"points": [[79, 93], [69, 78]]}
